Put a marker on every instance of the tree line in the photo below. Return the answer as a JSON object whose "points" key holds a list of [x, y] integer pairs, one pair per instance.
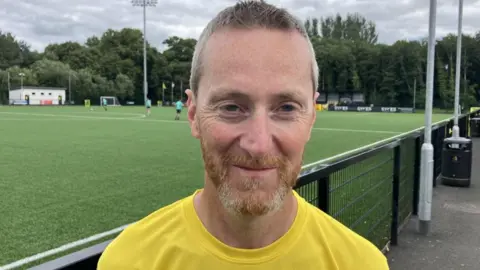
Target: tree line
{"points": [[351, 60]]}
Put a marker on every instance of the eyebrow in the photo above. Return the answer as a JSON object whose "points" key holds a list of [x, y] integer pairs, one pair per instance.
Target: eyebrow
{"points": [[227, 94], [288, 95]]}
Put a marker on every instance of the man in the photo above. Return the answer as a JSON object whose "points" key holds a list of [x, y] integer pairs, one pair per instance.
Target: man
{"points": [[148, 105], [179, 106], [104, 103], [252, 106]]}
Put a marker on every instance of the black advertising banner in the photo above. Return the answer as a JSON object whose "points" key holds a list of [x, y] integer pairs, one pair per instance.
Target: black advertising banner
{"points": [[370, 109]]}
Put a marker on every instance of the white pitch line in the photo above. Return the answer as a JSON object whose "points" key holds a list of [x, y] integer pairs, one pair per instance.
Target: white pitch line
{"points": [[141, 117], [358, 130], [375, 144], [62, 248], [119, 229], [109, 112], [44, 119]]}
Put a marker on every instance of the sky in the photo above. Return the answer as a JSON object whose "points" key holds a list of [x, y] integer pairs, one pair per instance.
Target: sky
{"points": [[40, 22]]}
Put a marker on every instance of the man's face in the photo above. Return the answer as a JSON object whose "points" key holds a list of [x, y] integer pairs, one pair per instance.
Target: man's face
{"points": [[253, 114]]}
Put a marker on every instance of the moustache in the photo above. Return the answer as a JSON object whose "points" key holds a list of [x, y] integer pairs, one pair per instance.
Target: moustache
{"points": [[258, 162]]}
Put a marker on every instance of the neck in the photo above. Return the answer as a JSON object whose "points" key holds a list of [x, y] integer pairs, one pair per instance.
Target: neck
{"points": [[240, 231]]}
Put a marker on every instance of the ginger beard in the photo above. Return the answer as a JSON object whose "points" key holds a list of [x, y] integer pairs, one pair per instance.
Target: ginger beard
{"points": [[249, 196]]}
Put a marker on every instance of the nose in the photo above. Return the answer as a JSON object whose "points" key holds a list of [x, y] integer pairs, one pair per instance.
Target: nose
{"points": [[257, 139]]}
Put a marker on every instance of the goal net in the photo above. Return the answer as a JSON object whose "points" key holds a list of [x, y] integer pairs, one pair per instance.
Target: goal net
{"points": [[111, 101]]}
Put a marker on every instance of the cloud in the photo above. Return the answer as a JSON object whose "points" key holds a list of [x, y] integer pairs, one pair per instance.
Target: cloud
{"points": [[41, 22]]}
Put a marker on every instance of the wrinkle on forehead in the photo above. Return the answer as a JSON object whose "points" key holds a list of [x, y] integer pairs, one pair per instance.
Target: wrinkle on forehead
{"points": [[258, 54]]}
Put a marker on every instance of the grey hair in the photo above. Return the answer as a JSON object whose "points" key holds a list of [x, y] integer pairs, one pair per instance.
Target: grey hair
{"points": [[245, 15]]}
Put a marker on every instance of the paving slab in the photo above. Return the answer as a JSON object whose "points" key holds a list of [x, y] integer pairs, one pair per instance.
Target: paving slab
{"points": [[454, 242]]}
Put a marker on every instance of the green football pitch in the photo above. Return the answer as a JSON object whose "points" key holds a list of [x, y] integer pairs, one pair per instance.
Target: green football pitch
{"points": [[68, 173]]}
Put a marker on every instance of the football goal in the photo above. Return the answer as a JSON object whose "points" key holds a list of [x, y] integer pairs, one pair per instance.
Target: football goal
{"points": [[111, 101]]}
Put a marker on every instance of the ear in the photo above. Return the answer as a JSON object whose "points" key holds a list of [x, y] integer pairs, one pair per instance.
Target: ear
{"points": [[314, 116], [315, 97], [192, 113]]}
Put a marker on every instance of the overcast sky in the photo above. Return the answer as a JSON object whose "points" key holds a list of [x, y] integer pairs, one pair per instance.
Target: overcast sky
{"points": [[40, 22]]}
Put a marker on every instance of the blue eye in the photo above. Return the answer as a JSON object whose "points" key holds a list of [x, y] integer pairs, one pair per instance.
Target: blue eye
{"points": [[231, 112], [287, 107], [231, 108]]}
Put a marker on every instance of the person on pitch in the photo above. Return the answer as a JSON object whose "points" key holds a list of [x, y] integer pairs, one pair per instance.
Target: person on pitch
{"points": [[148, 105], [178, 107]]}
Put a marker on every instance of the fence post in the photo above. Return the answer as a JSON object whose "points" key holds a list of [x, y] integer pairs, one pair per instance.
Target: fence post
{"points": [[323, 191], [416, 180], [462, 126], [467, 125], [395, 194]]}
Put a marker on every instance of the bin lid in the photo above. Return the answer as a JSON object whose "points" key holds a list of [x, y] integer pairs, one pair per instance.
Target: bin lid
{"points": [[459, 140], [475, 119]]}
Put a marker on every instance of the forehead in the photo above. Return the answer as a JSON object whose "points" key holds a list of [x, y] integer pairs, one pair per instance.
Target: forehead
{"points": [[261, 61]]}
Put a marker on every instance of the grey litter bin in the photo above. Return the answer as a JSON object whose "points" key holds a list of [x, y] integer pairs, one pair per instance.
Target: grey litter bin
{"points": [[456, 162], [475, 127]]}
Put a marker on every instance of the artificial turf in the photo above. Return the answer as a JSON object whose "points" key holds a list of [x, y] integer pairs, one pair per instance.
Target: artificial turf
{"points": [[67, 173]]}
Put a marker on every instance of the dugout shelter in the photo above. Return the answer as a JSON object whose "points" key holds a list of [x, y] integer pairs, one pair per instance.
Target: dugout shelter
{"points": [[31, 95]]}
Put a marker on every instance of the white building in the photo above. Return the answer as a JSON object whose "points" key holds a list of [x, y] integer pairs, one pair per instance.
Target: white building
{"points": [[37, 96]]}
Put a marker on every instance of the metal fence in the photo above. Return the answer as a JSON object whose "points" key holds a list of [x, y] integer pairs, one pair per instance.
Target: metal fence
{"points": [[373, 191]]}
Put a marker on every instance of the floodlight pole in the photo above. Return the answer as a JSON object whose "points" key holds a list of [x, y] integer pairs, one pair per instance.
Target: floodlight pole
{"points": [[8, 80], [144, 4], [21, 79], [69, 88], [414, 93], [426, 167], [456, 129]]}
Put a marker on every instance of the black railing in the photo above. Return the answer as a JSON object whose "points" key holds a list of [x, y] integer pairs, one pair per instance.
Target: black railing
{"points": [[374, 191]]}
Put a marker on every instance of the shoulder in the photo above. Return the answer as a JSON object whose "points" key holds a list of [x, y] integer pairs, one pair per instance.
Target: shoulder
{"points": [[349, 249], [149, 233]]}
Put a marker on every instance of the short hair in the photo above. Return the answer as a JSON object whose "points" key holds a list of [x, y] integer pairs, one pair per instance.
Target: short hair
{"points": [[247, 15]]}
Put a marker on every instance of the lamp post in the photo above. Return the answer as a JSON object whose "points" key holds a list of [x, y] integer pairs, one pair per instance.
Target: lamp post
{"points": [[70, 86], [8, 80], [426, 167], [456, 129], [144, 4]]}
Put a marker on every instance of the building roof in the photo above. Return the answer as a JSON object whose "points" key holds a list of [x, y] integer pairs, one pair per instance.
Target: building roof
{"points": [[39, 88]]}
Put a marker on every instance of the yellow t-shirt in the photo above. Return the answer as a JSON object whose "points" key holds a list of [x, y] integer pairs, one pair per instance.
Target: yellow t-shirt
{"points": [[174, 238]]}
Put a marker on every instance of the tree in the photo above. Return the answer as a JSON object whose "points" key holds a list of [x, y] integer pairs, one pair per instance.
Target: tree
{"points": [[349, 56], [179, 55], [14, 52], [354, 27]]}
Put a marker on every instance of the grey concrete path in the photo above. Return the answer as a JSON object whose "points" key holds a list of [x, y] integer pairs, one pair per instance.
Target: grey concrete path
{"points": [[454, 242]]}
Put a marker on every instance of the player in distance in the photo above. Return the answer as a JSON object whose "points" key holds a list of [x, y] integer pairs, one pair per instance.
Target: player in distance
{"points": [[178, 106], [104, 104], [148, 105]]}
